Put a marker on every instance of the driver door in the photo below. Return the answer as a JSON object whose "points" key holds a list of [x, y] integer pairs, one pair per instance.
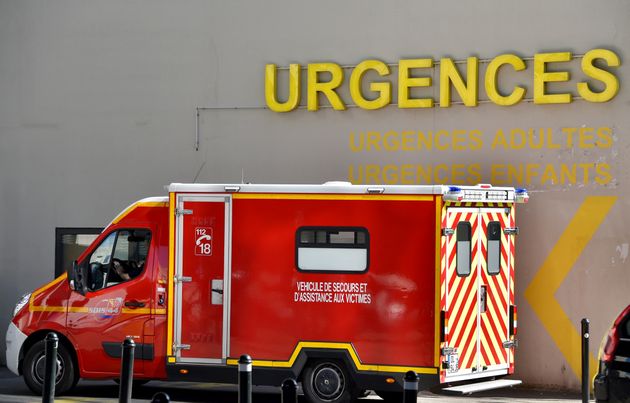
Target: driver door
{"points": [[112, 308]]}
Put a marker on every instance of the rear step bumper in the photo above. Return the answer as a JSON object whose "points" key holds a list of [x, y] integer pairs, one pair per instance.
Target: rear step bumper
{"points": [[482, 386]]}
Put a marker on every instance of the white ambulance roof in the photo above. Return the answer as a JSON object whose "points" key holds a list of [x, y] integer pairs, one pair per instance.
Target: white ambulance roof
{"points": [[328, 187]]}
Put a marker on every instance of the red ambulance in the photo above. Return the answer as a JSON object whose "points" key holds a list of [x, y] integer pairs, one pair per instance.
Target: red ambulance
{"points": [[342, 287]]}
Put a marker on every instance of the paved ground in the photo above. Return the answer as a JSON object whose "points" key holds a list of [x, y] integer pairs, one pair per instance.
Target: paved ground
{"points": [[13, 389]]}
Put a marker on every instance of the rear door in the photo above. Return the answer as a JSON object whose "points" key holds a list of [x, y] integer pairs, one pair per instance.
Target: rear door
{"points": [[494, 289], [463, 257], [202, 271], [478, 260]]}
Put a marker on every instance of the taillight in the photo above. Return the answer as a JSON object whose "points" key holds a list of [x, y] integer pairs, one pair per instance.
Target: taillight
{"points": [[513, 320], [609, 345]]}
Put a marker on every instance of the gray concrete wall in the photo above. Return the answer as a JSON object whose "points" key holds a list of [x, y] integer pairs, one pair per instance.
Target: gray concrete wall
{"points": [[97, 109]]}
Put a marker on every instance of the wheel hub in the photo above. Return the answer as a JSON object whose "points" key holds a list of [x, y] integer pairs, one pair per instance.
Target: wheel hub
{"points": [[39, 369], [328, 382]]}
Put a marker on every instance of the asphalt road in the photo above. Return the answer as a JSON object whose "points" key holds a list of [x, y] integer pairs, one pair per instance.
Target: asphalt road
{"points": [[13, 389]]}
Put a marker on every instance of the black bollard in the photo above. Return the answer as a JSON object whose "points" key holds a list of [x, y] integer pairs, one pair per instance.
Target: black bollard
{"points": [[161, 397], [289, 391], [585, 358], [410, 394], [50, 370], [245, 379], [126, 371]]}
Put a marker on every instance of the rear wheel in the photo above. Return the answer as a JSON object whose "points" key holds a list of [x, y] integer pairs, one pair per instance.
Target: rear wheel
{"points": [[34, 366], [328, 382]]}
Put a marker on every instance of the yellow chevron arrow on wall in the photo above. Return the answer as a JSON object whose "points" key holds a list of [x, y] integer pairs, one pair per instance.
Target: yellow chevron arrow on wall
{"points": [[541, 291]]}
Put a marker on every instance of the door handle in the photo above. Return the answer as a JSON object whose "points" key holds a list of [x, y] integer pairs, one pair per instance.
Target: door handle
{"points": [[134, 304], [483, 298]]}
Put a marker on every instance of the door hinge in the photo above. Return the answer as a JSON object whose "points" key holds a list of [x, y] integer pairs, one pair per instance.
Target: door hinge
{"points": [[177, 347], [182, 279], [447, 231], [449, 350], [510, 231], [181, 211], [510, 343]]}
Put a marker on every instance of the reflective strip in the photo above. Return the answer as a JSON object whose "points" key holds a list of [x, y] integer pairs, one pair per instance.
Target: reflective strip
{"points": [[39, 308], [171, 273], [411, 385], [148, 202], [244, 367], [337, 346]]}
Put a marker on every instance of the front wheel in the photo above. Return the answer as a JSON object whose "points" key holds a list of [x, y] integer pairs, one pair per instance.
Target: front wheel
{"points": [[328, 382], [34, 367]]}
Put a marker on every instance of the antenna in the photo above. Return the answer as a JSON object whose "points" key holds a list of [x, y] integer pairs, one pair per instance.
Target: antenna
{"points": [[199, 172], [243, 176]]}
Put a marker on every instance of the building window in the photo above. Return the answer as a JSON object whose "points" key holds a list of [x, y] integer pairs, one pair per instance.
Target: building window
{"points": [[494, 247], [332, 249], [69, 244], [463, 248]]}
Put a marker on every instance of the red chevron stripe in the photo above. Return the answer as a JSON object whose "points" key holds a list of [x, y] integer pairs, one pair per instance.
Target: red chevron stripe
{"points": [[443, 289], [471, 311], [457, 315], [497, 342], [454, 248], [459, 325], [497, 285], [473, 345], [493, 306], [471, 341], [483, 349], [454, 295], [511, 278], [471, 315]]}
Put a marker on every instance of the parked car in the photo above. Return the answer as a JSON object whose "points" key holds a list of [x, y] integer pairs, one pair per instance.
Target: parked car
{"points": [[612, 382]]}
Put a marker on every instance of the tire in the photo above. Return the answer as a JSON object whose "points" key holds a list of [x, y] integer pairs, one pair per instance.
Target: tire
{"points": [[34, 365], [328, 382]]}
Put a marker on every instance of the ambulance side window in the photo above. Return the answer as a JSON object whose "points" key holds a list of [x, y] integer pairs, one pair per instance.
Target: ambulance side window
{"points": [[463, 248], [119, 258], [332, 249], [494, 248], [98, 263]]}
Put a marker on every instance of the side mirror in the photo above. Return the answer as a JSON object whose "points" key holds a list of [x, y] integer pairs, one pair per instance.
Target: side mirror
{"points": [[79, 279]]}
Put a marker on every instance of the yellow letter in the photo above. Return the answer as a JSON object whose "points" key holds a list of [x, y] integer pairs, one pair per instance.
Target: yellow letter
{"points": [[449, 74], [491, 80], [271, 88], [328, 88], [405, 82], [610, 81], [605, 137], [383, 88], [541, 76]]}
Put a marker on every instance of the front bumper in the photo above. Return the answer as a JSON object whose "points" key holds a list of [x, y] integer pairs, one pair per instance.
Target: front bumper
{"points": [[15, 340]]}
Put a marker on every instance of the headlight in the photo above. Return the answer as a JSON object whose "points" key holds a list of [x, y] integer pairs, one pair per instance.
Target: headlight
{"points": [[21, 303]]}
